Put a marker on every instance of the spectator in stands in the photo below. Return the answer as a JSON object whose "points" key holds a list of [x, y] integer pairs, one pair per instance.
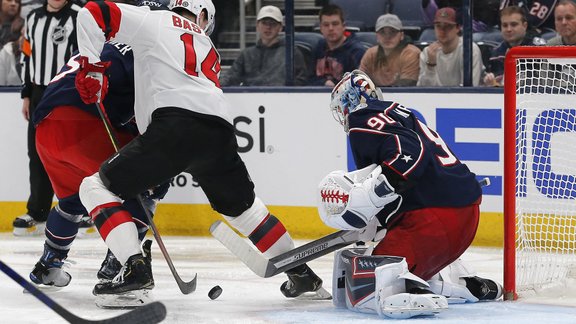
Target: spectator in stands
{"points": [[514, 26], [393, 61], [539, 13], [441, 63], [485, 12], [10, 66], [565, 20], [264, 63], [338, 52], [10, 21]]}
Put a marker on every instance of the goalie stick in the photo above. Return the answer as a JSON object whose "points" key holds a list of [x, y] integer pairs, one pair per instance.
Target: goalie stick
{"points": [[265, 267], [185, 287], [151, 313]]}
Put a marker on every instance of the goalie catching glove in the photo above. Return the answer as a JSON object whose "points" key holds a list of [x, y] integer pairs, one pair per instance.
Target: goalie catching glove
{"points": [[351, 200], [91, 80]]}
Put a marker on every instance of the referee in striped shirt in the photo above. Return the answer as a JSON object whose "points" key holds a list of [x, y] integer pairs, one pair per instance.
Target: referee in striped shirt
{"points": [[49, 40]]}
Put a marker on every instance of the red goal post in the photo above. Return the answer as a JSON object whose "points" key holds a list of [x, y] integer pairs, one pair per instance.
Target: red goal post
{"points": [[539, 168]]}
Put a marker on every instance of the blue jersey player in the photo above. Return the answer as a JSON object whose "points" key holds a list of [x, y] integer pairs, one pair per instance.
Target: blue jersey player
{"points": [[410, 183], [72, 143]]}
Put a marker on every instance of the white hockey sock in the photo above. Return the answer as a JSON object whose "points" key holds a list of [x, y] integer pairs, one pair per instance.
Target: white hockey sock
{"points": [[123, 241], [264, 230]]}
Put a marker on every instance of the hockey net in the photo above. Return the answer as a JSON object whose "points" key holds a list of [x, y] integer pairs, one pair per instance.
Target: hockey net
{"points": [[539, 169]]}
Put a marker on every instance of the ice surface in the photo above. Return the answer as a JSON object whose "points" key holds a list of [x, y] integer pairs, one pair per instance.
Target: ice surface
{"points": [[246, 298]]}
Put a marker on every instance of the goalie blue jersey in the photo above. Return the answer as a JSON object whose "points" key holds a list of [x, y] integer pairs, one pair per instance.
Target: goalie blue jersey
{"points": [[119, 102], [388, 134]]}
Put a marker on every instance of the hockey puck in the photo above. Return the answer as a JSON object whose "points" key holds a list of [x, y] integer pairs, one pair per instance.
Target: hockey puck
{"points": [[215, 292]]}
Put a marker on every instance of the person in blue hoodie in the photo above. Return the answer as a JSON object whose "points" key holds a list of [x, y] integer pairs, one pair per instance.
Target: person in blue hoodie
{"points": [[338, 52]]}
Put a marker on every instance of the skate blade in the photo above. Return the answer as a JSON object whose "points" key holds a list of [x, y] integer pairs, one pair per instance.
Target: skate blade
{"points": [[320, 294], [127, 300], [43, 288], [35, 230]]}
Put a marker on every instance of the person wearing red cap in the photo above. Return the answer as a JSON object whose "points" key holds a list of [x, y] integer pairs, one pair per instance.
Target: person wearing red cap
{"points": [[442, 62]]}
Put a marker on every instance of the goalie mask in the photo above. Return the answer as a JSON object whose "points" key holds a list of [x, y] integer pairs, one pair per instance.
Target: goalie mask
{"points": [[196, 7], [354, 88]]}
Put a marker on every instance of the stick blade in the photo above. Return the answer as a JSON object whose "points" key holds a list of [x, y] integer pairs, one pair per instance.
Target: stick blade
{"points": [[239, 247], [187, 287]]}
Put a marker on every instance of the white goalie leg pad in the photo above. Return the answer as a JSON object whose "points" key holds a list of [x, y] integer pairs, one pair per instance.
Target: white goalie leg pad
{"points": [[354, 281], [93, 193], [405, 305], [450, 282], [339, 281], [251, 219], [392, 299]]}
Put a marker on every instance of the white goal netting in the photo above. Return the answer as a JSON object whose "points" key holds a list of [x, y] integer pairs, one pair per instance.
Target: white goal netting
{"points": [[545, 172]]}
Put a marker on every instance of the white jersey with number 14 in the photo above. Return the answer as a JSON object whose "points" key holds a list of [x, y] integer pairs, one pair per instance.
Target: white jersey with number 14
{"points": [[175, 62]]}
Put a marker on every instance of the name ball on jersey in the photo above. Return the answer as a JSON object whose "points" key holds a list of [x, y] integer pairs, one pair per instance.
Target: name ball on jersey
{"points": [[215, 292]]}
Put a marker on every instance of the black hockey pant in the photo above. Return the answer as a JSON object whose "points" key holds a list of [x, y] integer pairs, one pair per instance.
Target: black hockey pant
{"points": [[179, 140]]}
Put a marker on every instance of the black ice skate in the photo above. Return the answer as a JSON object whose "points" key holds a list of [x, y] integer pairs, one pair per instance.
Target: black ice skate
{"points": [[131, 286], [48, 271], [483, 289], [302, 280], [110, 268], [25, 225]]}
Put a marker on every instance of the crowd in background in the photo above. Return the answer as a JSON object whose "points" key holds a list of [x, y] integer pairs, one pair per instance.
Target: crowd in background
{"points": [[392, 57], [396, 58]]}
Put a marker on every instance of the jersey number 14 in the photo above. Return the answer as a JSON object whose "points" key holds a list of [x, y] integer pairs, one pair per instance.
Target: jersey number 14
{"points": [[210, 66]]}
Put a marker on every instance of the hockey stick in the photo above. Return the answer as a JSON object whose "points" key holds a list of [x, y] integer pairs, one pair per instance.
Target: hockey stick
{"points": [[185, 287], [265, 268], [151, 313]]}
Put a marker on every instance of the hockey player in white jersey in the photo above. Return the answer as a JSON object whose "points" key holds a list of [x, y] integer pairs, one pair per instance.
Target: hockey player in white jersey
{"points": [[185, 126]]}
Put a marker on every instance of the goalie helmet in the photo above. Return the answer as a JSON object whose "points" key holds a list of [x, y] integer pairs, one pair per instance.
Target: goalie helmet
{"points": [[354, 89], [196, 7]]}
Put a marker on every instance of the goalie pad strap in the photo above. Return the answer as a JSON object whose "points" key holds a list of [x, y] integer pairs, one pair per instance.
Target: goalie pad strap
{"points": [[353, 220]]}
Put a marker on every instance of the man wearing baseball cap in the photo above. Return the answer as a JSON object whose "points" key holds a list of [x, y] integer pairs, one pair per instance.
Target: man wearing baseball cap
{"points": [[263, 64], [393, 61], [442, 62]]}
